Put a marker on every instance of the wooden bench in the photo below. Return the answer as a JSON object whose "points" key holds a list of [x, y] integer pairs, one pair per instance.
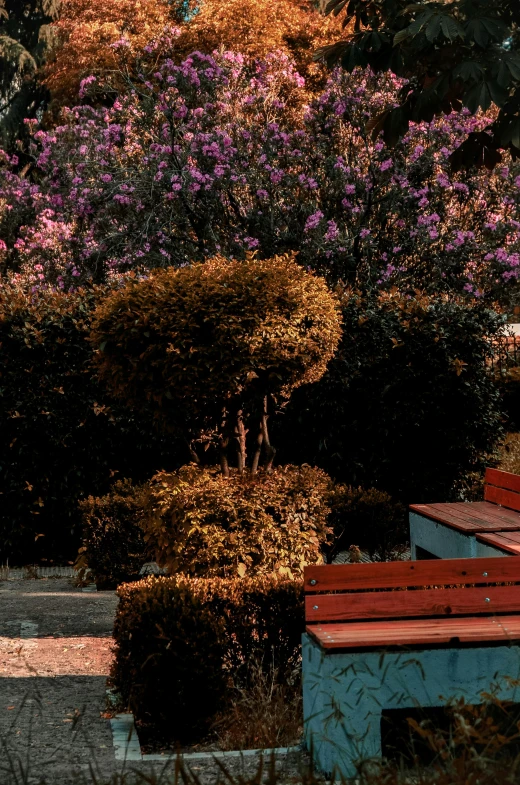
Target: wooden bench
{"points": [[460, 529], [371, 646]]}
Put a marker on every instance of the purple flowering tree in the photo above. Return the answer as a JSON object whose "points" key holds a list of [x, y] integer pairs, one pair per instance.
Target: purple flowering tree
{"points": [[223, 155]]}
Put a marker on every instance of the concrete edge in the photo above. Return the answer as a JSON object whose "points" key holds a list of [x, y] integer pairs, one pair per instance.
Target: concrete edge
{"points": [[127, 747]]}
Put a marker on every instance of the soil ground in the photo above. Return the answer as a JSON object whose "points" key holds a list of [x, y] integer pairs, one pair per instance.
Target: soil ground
{"points": [[55, 655]]}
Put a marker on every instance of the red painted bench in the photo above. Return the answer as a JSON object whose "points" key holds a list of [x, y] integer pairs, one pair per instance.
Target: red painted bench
{"points": [[363, 619], [461, 529]]}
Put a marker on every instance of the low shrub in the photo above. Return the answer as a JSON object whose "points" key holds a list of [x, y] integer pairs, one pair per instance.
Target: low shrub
{"points": [[368, 518], [113, 547], [183, 645], [202, 523]]}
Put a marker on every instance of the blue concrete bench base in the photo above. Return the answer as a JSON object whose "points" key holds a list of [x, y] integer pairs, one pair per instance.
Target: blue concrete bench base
{"points": [[345, 692], [429, 538], [439, 540]]}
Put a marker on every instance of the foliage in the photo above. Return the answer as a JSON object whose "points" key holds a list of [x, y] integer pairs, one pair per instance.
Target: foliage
{"points": [[202, 523], [113, 548], [211, 345], [255, 28], [509, 457], [368, 518], [215, 157], [182, 645], [90, 34], [509, 385], [463, 53], [24, 41], [410, 407], [87, 32], [61, 438]]}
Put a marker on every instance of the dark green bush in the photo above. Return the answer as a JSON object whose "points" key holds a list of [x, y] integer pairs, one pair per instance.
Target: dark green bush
{"points": [[61, 437], [408, 404], [183, 644], [113, 546], [368, 518]]}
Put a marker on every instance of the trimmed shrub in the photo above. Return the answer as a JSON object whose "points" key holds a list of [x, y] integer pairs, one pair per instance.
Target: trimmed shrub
{"points": [[62, 438], [113, 546], [202, 523], [408, 404], [369, 519], [183, 645], [208, 344]]}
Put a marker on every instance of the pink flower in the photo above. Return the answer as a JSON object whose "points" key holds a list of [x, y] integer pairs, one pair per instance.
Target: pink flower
{"points": [[313, 221]]}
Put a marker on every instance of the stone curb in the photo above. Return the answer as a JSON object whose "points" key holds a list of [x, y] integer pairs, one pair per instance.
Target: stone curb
{"points": [[127, 747]]}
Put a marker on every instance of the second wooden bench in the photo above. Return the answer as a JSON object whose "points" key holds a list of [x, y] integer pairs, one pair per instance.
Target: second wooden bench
{"points": [[462, 530]]}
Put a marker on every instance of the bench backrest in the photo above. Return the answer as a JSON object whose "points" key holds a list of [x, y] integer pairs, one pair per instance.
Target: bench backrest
{"points": [[502, 488], [363, 592]]}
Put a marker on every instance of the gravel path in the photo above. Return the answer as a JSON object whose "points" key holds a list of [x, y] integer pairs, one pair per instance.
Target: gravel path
{"points": [[55, 654]]}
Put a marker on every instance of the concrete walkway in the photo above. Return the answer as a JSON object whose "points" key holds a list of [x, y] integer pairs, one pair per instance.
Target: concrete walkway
{"points": [[55, 655]]}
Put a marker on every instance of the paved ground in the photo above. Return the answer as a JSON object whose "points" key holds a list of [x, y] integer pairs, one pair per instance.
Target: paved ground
{"points": [[55, 653]]}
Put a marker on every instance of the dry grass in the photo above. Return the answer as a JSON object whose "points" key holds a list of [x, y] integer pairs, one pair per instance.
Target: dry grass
{"points": [[266, 714]]}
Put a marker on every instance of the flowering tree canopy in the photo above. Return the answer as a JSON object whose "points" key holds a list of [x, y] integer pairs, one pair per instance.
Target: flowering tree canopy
{"points": [[221, 154], [462, 53]]}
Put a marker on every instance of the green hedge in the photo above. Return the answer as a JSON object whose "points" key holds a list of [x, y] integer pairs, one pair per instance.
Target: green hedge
{"points": [[408, 404], [62, 438], [182, 644]]}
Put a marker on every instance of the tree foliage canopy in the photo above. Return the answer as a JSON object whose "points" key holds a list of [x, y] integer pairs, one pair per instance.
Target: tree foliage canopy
{"points": [[24, 39], [454, 54]]}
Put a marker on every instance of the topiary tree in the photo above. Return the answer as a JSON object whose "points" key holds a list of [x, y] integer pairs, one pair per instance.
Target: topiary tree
{"points": [[214, 347]]}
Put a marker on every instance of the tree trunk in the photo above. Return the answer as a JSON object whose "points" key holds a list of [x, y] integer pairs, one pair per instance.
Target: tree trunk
{"points": [[258, 451], [270, 451], [224, 465], [241, 441]]}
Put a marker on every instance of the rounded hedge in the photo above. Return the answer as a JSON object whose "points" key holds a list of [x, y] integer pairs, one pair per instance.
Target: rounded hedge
{"points": [[191, 340]]}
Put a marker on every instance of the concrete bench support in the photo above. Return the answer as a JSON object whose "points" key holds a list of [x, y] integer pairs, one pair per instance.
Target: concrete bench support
{"points": [[439, 540], [345, 692]]}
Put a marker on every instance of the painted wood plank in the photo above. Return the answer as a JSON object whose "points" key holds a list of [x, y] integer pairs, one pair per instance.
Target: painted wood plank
{"points": [[402, 604], [501, 496], [481, 521], [388, 575], [503, 513], [437, 513], [507, 480], [512, 545], [357, 635]]}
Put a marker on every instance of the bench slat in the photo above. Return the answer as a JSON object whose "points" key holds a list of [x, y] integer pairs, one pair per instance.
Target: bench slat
{"points": [[482, 520], [501, 496], [430, 511], [509, 541], [429, 602], [357, 635], [401, 574], [507, 480], [502, 514]]}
